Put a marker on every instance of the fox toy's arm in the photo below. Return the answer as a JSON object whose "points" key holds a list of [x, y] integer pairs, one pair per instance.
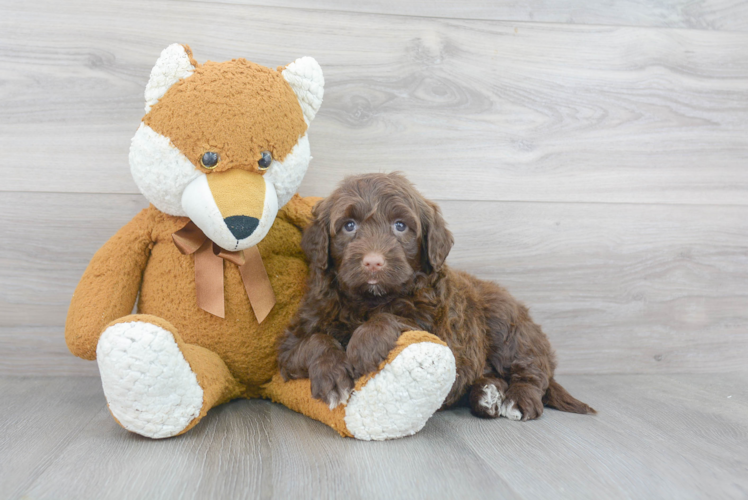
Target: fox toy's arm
{"points": [[298, 211], [109, 285]]}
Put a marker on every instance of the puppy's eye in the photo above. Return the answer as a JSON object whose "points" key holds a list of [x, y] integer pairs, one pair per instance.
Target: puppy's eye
{"points": [[265, 161], [210, 160], [349, 226], [400, 226]]}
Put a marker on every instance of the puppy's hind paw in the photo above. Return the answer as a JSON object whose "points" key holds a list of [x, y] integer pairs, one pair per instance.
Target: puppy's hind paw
{"points": [[509, 410], [522, 402], [485, 400]]}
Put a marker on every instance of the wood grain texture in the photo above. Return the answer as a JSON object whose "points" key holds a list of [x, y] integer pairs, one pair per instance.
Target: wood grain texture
{"points": [[725, 15], [40, 351], [617, 287], [40, 417], [227, 457], [472, 110], [310, 458], [657, 436], [48, 240]]}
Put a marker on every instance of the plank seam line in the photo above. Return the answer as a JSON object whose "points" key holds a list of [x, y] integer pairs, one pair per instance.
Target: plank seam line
{"points": [[439, 200], [559, 375], [469, 19]]}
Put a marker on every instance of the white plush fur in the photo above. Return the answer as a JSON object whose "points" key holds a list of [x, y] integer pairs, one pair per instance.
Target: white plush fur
{"points": [[160, 170], [148, 384], [286, 176], [400, 399], [201, 208], [306, 79], [173, 65]]}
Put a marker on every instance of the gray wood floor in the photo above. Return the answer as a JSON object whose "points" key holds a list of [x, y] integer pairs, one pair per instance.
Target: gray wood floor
{"points": [[656, 436]]}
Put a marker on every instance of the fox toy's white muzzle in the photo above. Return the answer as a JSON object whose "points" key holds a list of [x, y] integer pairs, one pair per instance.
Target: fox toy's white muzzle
{"points": [[235, 208]]}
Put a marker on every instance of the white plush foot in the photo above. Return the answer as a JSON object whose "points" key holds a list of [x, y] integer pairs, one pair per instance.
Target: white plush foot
{"points": [[148, 384], [509, 411], [400, 399]]}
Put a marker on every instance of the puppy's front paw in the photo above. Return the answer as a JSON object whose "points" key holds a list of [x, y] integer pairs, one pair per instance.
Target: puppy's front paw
{"points": [[370, 344], [522, 403], [366, 361], [332, 378]]}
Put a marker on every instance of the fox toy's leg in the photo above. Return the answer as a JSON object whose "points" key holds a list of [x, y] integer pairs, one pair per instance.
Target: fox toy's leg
{"points": [[155, 384], [395, 401]]}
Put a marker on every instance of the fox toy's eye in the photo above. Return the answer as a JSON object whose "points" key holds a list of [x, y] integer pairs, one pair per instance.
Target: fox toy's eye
{"points": [[265, 161], [349, 226], [400, 226], [210, 160]]}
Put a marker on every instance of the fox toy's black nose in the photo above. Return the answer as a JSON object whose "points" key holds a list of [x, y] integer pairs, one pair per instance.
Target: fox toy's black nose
{"points": [[241, 226]]}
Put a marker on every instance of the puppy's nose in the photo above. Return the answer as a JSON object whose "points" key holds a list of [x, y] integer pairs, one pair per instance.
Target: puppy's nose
{"points": [[373, 261]]}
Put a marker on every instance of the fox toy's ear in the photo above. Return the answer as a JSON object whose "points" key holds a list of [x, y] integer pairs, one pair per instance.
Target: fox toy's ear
{"points": [[175, 63], [305, 77]]}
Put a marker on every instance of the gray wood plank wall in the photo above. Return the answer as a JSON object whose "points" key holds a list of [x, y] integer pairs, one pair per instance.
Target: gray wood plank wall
{"points": [[725, 15], [591, 158]]}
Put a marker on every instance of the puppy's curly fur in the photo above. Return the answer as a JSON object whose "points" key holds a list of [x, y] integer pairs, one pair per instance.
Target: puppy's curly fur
{"points": [[377, 250]]}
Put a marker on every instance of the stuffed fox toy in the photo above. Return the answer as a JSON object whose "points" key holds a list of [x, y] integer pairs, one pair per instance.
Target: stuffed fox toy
{"points": [[216, 266]]}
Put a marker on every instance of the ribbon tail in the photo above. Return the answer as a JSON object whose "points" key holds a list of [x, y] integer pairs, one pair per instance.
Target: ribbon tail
{"points": [[209, 280], [257, 284]]}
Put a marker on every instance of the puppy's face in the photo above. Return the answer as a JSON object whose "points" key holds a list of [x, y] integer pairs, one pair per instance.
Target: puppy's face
{"points": [[375, 242], [376, 233]]}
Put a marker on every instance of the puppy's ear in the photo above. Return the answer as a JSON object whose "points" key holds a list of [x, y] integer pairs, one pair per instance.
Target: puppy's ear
{"points": [[316, 239], [437, 239]]}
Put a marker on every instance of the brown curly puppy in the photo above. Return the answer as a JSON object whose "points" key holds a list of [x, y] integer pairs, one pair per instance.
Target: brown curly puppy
{"points": [[377, 250]]}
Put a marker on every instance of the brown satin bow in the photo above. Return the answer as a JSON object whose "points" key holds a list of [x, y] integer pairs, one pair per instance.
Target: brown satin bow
{"points": [[209, 259]]}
